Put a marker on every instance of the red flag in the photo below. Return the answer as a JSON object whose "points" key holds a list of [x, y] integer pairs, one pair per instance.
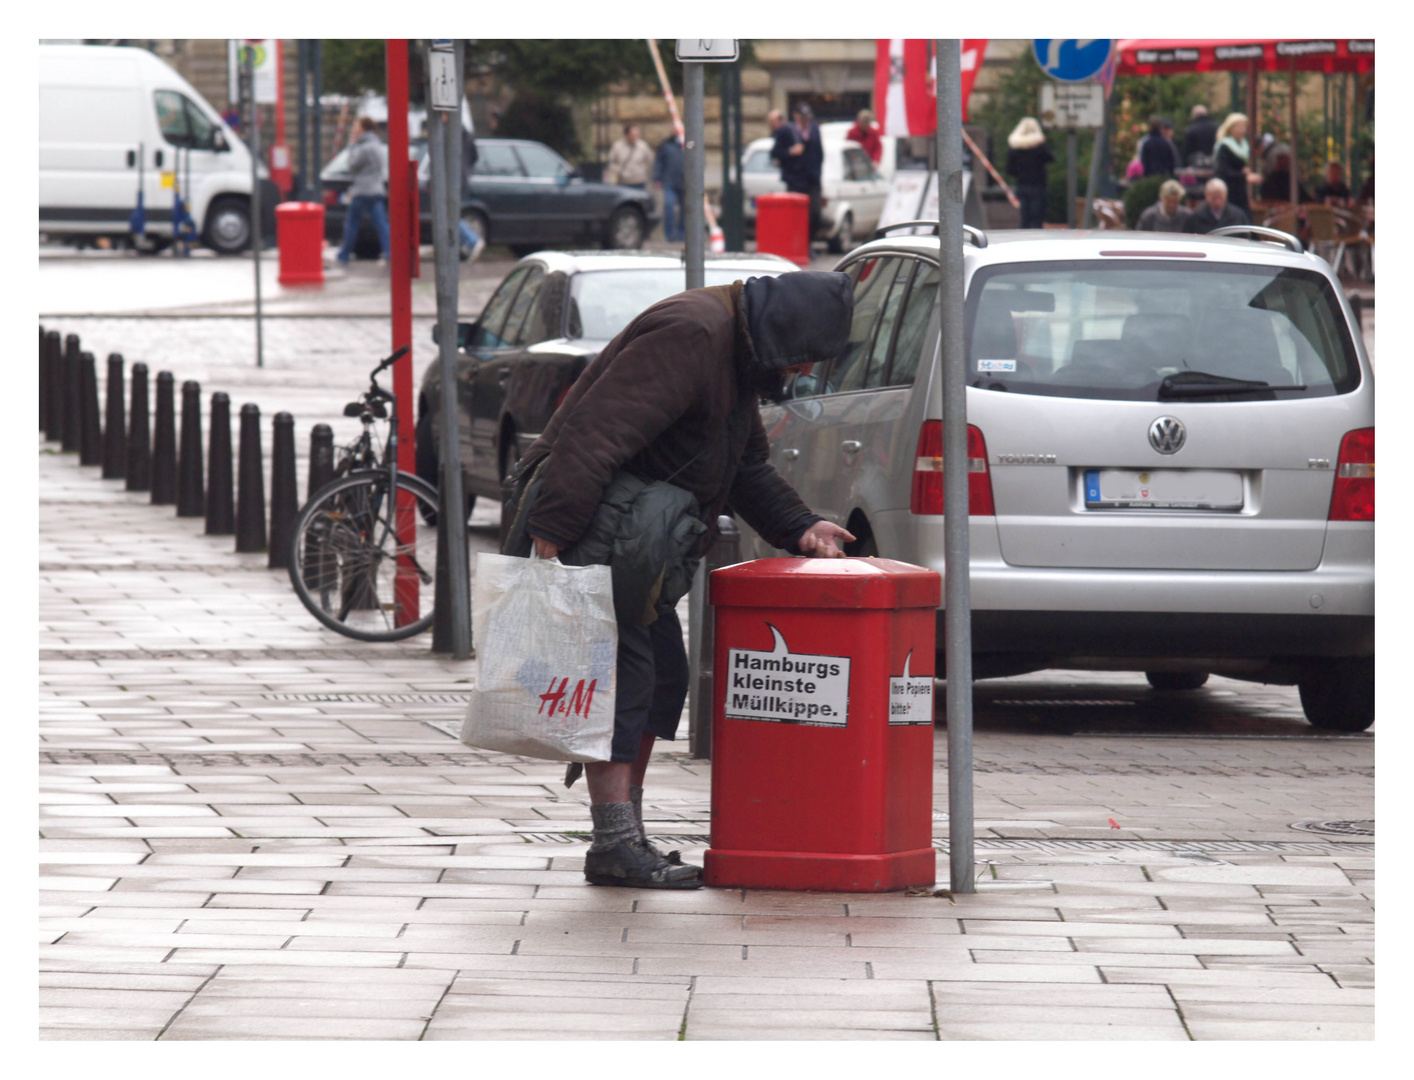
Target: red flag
{"points": [[905, 83]]}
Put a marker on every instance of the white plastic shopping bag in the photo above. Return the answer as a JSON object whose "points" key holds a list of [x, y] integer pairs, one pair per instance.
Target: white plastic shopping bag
{"points": [[547, 651]]}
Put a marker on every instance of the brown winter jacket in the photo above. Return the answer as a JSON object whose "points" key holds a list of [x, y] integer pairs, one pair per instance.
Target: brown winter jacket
{"points": [[673, 397]]}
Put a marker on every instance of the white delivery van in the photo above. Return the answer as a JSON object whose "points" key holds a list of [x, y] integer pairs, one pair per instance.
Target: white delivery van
{"points": [[112, 119]]}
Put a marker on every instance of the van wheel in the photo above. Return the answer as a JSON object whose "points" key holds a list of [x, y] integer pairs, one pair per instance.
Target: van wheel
{"points": [[1176, 680], [227, 229], [1340, 694]]}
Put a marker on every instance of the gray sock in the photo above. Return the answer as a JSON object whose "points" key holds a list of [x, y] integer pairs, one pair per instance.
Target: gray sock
{"points": [[635, 795], [613, 823]]}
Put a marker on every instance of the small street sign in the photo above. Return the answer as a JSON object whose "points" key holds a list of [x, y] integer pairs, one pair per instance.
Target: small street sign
{"points": [[441, 44], [1078, 105], [1072, 59], [443, 71], [704, 50]]}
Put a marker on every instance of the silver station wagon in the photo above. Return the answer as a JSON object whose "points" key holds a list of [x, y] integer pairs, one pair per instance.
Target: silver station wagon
{"points": [[1171, 454]]}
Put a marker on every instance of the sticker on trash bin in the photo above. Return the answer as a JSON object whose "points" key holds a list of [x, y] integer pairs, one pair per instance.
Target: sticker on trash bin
{"points": [[787, 688], [910, 697]]}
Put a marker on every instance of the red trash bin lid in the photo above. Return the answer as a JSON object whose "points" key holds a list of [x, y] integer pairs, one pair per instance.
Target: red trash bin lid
{"points": [[298, 207], [783, 197], [826, 583]]}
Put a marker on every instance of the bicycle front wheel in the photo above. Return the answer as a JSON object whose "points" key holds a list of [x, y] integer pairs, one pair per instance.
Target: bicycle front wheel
{"points": [[359, 565]]}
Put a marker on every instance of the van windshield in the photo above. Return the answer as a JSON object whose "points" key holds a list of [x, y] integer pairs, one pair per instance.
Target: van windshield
{"points": [[1148, 330]]}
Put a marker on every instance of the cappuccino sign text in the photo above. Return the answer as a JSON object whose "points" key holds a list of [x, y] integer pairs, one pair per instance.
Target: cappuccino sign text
{"points": [[786, 687]]}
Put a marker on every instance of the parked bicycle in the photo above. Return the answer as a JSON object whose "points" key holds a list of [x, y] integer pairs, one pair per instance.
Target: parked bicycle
{"points": [[364, 562]]}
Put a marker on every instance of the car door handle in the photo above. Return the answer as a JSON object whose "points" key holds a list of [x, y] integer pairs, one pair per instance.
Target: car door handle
{"points": [[851, 446], [791, 454]]}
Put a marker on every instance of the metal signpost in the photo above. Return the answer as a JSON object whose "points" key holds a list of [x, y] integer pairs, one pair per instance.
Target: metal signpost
{"points": [[444, 143], [694, 53], [256, 216], [957, 556], [1072, 60]]}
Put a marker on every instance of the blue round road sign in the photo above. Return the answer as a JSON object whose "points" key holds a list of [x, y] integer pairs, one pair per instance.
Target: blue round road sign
{"points": [[1072, 59]]}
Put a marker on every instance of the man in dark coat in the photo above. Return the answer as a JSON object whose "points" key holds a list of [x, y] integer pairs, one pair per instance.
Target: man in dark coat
{"points": [[669, 176], [1200, 136], [675, 397], [801, 156], [1216, 212]]}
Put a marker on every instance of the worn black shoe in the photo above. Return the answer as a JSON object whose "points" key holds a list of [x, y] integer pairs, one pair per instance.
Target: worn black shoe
{"points": [[633, 864]]}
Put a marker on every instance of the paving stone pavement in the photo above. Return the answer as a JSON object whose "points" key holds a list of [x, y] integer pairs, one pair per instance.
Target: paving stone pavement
{"points": [[252, 828]]}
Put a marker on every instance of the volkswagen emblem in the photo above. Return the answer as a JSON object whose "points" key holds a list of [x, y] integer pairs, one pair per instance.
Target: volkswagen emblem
{"points": [[1166, 435]]}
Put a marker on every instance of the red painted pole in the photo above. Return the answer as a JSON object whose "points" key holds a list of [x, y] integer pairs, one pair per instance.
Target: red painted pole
{"points": [[403, 233]]}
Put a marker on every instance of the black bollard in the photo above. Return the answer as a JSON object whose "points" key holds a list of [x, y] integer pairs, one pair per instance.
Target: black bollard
{"points": [[90, 433], [321, 459], [191, 488], [54, 372], [164, 442], [43, 382], [115, 450], [220, 487], [284, 494], [250, 499], [73, 396], [137, 469]]}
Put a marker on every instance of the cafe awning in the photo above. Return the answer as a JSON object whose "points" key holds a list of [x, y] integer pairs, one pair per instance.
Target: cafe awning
{"points": [[1161, 56]]}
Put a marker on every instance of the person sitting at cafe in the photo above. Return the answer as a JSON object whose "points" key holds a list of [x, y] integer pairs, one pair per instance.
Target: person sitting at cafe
{"points": [[1216, 212], [1276, 187], [1335, 191], [1156, 153], [1168, 214], [1200, 137]]}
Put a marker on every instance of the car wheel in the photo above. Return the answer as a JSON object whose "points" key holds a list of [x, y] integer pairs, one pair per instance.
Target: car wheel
{"points": [[1176, 680], [843, 241], [626, 230], [477, 223], [227, 226], [1340, 695], [425, 444]]}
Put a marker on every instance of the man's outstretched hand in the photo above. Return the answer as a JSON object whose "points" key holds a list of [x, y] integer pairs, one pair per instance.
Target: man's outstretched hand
{"points": [[544, 548], [822, 540]]}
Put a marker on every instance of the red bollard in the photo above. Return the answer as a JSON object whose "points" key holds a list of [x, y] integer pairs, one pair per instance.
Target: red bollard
{"points": [[822, 735], [783, 225], [299, 230]]}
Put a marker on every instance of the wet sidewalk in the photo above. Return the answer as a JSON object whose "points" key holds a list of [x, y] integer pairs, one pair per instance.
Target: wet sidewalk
{"points": [[253, 828]]}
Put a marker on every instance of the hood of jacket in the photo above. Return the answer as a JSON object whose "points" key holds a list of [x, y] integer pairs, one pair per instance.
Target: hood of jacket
{"points": [[800, 318]]}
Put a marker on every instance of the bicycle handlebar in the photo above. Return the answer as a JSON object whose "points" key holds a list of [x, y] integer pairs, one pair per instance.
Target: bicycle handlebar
{"points": [[386, 364]]}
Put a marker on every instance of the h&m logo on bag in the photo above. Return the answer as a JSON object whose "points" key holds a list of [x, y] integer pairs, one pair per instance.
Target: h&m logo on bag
{"points": [[578, 703]]}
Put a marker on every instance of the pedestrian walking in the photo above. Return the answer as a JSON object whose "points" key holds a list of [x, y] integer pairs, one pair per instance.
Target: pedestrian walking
{"points": [[799, 153], [1157, 153], [1028, 155], [1216, 212], [366, 192], [866, 133], [668, 175], [1199, 137], [675, 397], [630, 160], [1168, 214], [1232, 161]]}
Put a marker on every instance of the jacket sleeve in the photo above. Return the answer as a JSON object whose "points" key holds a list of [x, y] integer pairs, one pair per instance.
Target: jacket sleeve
{"points": [[652, 382], [763, 497]]}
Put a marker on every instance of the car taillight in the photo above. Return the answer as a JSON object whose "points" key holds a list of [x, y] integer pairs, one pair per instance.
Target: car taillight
{"points": [[1353, 498], [928, 472], [331, 197]]}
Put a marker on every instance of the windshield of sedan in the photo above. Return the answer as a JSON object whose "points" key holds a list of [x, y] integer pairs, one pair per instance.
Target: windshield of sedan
{"points": [[603, 302], [1148, 330]]}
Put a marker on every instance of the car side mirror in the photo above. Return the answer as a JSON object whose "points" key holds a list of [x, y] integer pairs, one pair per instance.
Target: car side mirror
{"points": [[803, 386], [466, 333]]}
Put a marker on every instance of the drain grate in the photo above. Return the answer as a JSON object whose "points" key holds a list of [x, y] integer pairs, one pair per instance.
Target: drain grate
{"points": [[1051, 703], [377, 699], [1361, 827]]}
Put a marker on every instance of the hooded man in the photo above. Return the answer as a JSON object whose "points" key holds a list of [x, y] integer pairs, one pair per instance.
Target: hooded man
{"points": [[675, 397]]}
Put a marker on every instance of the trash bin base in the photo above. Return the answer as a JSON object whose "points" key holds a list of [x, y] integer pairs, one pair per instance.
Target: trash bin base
{"points": [[820, 871], [302, 277]]}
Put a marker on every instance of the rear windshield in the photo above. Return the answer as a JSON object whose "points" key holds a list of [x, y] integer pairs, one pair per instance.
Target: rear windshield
{"points": [[1146, 331], [603, 302]]}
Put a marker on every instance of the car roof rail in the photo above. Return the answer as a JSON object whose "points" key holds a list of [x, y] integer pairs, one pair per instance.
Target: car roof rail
{"points": [[1263, 234], [976, 237]]}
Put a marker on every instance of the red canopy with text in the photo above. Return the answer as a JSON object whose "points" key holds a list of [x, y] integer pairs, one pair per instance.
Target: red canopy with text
{"points": [[1160, 56]]}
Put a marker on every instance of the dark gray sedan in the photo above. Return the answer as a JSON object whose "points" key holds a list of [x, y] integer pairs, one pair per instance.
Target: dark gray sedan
{"points": [[546, 321]]}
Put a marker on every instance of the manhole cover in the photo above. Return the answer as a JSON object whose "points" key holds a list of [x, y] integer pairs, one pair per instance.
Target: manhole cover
{"points": [[1362, 827]]}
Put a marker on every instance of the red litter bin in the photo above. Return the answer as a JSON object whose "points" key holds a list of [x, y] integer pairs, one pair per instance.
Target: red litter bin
{"points": [[822, 738], [299, 229], [783, 225]]}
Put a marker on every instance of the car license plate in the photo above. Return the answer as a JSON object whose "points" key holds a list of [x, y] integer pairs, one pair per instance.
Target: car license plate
{"points": [[1163, 489]]}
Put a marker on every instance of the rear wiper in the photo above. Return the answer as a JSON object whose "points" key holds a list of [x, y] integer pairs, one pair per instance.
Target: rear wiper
{"points": [[1202, 384]]}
